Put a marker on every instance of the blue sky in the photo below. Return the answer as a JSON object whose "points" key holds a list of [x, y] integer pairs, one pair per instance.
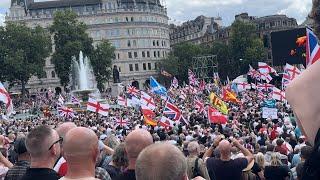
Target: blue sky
{"points": [[183, 10]]}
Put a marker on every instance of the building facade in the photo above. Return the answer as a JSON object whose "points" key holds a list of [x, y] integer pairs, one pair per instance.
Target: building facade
{"points": [[138, 29], [193, 31], [265, 25]]}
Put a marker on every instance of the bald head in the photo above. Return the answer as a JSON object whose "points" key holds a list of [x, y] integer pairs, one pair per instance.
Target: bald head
{"points": [[161, 161], [225, 148], [136, 141], [80, 142], [64, 128]]}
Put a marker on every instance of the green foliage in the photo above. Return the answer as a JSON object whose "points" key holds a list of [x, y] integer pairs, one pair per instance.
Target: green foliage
{"points": [[180, 60], [101, 61], [70, 38], [22, 52]]}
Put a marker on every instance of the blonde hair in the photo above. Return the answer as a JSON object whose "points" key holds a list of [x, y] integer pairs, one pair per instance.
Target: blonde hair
{"points": [[275, 159], [260, 160]]}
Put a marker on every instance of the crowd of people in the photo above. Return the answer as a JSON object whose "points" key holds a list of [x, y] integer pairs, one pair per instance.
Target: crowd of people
{"points": [[90, 146]]}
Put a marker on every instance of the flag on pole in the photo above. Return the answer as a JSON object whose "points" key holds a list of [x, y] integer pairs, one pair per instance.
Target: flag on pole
{"points": [[192, 78], [312, 48], [97, 107], [292, 71], [216, 102], [132, 90], [157, 88], [75, 100], [65, 112], [123, 101], [265, 87], [175, 83], [243, 86], [149, 121], [277, 94], [121, 122], [199, 106], [148, 101], [215, 116], [264, 68], [229, 96], [172, 111], [166, 122], [5, 98]]}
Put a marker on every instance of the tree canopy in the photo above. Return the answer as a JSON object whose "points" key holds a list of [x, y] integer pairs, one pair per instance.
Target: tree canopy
{"points": [[22, 53]]}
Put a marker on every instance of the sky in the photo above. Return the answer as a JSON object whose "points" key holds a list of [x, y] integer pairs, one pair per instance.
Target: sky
{"points": [[183, 10]]}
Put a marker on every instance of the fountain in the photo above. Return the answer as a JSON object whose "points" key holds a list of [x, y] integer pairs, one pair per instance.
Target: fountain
{"points": [[83, 78]]}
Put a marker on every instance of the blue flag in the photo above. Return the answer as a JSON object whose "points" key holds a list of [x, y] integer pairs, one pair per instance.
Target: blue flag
{"points": [[157, 88]]}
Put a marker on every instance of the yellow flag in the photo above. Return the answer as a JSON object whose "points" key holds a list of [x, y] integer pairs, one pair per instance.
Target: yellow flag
{"points": [[216, 102], [149, 121]]}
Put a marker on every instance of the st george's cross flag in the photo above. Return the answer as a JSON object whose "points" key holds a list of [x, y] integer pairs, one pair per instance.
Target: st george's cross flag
{"points": [[5, 98], [97, 107], [166, 122], [277, 94], [264, 68], [292, 71], [147, 100], [123, 101]]}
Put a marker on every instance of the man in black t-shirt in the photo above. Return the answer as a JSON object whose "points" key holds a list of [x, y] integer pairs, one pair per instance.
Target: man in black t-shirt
{"points": [[224, 168], [43, 144]]}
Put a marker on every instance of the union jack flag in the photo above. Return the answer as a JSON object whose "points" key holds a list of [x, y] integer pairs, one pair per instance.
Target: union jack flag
{"points": [[132, 90], [121, 122], [75, 100], [172, 111], [65, 112], [312, 48], [192, 78], [265, 87]]}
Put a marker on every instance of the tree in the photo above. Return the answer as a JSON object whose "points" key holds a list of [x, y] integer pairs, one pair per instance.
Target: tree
{"points": [[22, 53], [223, 53], [70, 38], [246, 46], [180, 60], [101, 61]]}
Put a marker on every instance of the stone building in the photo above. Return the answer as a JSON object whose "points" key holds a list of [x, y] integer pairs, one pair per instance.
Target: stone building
{"points": [[193, 31], [265, 25], [138, 29]]}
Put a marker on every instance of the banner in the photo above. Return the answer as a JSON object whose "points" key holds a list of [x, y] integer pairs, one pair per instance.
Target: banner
{"points": [[269, 113], [216, 102]]}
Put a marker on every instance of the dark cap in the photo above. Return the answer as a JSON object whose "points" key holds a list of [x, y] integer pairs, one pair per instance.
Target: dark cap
{"points": [[20, 145]]}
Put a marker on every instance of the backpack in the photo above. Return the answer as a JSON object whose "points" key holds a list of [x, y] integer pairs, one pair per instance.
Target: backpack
{"points": [[196, 171]]}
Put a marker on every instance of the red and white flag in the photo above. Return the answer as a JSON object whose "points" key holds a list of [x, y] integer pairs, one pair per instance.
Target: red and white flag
{"points": [[147, 100], [264, 68], [75, 100], [202, 85], [265, 87], [279, 95], [182, 95], [97, 107], [123, 101], [166, 122], [199, 105], [121, 122], [243, 86], [66, 112], [192, 78], [132, 90], [266, 77], [5, 98], [215, 116], [292, 71], [175, 83]]}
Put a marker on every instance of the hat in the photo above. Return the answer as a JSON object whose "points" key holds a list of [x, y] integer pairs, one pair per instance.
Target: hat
{"points": [[303, 96], [20, 145], [103, 137]]}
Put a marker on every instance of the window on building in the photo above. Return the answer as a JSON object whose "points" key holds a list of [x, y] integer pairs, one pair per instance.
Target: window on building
{"points": [[135, 54], [143, 54], [144, 66], [136, 66], [134, 43], [157, 43], [127, 19], [129, 43], [158, 53], [119, 69], [53, 74], [149, 66], [148, 53], [130, 67], [154, 43], [118, 55], [130, 55], [155, 66], [132, 19], [162, 53], [155, 54]]}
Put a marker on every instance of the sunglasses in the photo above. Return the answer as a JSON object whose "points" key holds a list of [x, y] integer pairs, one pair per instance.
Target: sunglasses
{"points": [[58, 141]]}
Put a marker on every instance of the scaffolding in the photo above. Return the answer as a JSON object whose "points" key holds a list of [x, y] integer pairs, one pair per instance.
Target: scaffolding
{"points": [[205, 67]]}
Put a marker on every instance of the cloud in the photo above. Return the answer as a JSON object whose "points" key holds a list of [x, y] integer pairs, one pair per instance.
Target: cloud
{"points": [[2, 19], [183, 10]]}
